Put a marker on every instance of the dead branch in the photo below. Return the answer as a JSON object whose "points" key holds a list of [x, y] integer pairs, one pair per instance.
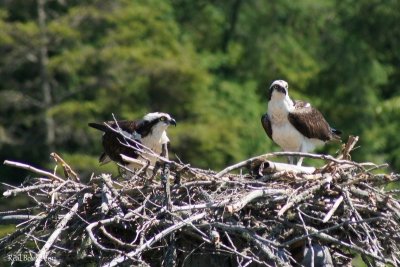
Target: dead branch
{"points": [[42, 254], [271, 166], [16, 219], [27, 189], [156, 238], [32, 169], [254, 212], [67, 169], [263, 158], [304, 195], [333, 209], [235, 207]]}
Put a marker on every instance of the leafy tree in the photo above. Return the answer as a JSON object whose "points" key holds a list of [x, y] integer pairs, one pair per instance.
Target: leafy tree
{"points": [[207, 63]]}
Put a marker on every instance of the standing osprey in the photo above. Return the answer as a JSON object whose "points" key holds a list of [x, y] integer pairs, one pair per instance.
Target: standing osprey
{"points": [[149, 131], [294, 124]]}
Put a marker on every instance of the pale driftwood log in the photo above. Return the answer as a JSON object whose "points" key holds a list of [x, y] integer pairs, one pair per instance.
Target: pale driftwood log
{"points": [[278, 167], [263, 158]]}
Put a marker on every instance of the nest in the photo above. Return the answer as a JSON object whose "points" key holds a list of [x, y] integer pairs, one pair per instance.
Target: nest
{"points": [[254, 213]]}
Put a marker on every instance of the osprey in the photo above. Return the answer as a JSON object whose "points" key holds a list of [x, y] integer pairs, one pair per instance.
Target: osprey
{"points": [[149, 131], [294, 124]]}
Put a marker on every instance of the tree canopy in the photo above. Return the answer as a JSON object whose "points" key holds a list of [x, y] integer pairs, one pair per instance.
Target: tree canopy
{"points": [[207, 63]]}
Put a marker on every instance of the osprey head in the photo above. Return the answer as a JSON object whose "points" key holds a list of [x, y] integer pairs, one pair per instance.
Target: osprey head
{"points": [[278, 88], [159, 119]]}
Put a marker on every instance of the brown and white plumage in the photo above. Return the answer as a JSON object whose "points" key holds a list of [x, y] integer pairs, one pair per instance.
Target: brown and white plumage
{"points": [[149, 131], [295, 126]]}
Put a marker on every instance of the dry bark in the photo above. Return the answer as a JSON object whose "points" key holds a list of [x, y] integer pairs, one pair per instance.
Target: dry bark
{"points": [[258, 216]]}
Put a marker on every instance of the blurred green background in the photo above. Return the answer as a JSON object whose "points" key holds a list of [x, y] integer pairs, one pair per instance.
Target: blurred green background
{"points": [[207, 63]]}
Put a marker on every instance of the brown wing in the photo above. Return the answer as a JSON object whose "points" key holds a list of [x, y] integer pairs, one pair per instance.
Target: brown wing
{"points": [[310, 122], [266, 123], [127, 126], [115, 143]]}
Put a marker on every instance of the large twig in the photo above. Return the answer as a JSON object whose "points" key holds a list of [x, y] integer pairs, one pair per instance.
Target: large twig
{"points": [[333, 209], [304, 195], [265, 157], [259, 241], [26, 189], [184, 170], [43, 253], [278, 167], [68, 171], [155, 239], [328, 238], [18, 218], [32, 169], [141, 220], [238, 205], [328, 229]]}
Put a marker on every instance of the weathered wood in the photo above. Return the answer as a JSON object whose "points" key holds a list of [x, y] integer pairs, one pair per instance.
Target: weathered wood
{"points": [[257, 212], [44, 251], [278, 167], [32, 169], [156, 238], [333, 209]]}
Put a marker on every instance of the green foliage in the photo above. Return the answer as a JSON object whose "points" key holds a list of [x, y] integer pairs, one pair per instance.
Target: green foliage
{"points": [[207, 63], [6, 229]]}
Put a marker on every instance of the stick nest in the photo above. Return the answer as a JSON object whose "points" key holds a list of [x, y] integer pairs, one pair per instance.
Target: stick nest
{"points": [[250, 214]]}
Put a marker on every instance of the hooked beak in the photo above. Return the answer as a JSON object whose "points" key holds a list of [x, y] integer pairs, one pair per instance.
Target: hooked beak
{"points": [[279, 89], [172, 122]]}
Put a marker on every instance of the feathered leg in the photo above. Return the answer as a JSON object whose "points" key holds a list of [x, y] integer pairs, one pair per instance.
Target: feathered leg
{"points": [[292, 160], [300, 161]]}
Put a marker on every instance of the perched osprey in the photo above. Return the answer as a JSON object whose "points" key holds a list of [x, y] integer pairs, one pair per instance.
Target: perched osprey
{"points": [[294, 124], [149, 131]]}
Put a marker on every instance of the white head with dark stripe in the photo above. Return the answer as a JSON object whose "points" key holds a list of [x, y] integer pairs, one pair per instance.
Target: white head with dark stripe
{"points": [[160, 118], [157, 122], [154, 133], [278, 89]]}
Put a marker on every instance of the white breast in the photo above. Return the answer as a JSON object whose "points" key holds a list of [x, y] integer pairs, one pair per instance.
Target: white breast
{"points": [[283, 132], [154, 141], [287, 137]]}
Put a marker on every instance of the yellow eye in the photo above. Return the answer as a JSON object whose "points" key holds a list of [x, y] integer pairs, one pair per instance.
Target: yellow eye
{"points": [[163, 119]]}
